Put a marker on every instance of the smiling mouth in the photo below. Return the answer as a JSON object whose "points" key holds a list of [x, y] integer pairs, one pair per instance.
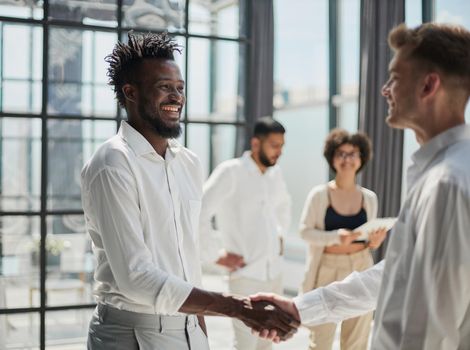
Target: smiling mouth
{"points": [[171, 108]]}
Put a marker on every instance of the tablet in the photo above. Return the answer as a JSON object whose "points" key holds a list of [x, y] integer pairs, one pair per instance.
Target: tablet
{"points": [[372, 225]]}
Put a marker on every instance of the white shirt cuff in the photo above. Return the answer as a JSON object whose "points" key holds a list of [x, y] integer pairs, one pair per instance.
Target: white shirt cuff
{"points": [[172, 296], [311, 307]]}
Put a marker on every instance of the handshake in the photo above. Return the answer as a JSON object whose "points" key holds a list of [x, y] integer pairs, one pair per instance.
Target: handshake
{"points": [[270, 316]]}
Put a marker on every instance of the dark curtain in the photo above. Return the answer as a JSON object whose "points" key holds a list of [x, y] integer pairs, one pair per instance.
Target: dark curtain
{"points": [[260, 63], [383, 175]]}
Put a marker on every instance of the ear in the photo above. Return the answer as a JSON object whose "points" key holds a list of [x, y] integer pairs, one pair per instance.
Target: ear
{"points": [[432, 83], [255, 143], [130, 92]]}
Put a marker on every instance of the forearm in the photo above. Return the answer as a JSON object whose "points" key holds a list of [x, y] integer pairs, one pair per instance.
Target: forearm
{"points": [[205, 303], [319, 237]]}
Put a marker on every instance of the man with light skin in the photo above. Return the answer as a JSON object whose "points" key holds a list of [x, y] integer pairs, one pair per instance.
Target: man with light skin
{"points": [[248, 199], [141, 194], [422, 289]]}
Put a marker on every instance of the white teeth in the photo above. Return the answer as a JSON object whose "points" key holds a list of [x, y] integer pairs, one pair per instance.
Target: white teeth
{"points": [[170, 108]]}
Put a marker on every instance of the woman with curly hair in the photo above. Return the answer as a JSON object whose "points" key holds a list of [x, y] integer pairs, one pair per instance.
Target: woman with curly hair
{"points": [[331, 213]]}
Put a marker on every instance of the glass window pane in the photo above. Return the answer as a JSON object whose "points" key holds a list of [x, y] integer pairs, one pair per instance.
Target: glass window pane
{"points": [[214, 144], [453, 11], [22, 9], [19, 331], [155, 15], [19, 261], [348, 116], [300, 80], [96, 46], [71, 144], [301, 95], [21, 72], [22, 96], [67, 329], [77, 76], [93, 12], [349, 64], [20, 165], [306, 130], [199, 143], [413, 13], [349, 46], [214, 17], [70, 261], [224, 142], [214, 91]]}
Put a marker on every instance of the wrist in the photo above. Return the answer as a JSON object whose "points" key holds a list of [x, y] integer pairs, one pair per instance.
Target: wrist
{"points": [[233, 306], [226, 305], [202, 302]]}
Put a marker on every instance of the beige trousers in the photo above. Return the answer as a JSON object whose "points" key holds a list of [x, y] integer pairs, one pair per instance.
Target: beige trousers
{"points": [[244, 340], [354, 331]]}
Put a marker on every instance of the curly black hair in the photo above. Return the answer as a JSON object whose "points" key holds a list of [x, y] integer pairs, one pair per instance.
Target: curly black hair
{"points": [[338, 137], [125, 58]]}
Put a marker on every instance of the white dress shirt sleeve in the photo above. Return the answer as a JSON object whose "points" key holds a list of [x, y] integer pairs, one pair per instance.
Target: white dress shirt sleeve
{"points": [[354, 296], [113, 201], [437, 301], [218, 187], [284, 204]]}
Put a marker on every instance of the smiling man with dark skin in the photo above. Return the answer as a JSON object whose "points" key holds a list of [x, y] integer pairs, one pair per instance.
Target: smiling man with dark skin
{"points": [[141, 194]]}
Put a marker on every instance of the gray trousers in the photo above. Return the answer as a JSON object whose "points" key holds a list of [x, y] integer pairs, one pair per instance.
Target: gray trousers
{"points": [[115, 329]]}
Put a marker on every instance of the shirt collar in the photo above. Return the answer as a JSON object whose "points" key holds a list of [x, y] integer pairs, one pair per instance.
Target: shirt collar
{"points": [[426, 153], [139, 143], [251, 164]]}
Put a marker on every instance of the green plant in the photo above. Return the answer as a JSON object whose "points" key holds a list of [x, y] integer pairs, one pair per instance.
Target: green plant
{"points": [[54, 245]]}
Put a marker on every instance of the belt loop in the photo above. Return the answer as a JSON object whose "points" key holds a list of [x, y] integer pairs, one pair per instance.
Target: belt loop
{"points": [[186, 332], [160, 319]]}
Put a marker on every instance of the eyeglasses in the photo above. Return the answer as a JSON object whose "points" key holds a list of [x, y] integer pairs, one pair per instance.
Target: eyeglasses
{"points": [[346, 155]]}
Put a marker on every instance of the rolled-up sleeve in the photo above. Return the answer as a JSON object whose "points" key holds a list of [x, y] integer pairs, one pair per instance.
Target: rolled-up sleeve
{"points": [[112, 199]]}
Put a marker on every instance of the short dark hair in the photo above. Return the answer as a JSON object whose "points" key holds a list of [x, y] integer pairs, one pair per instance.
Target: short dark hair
{"points": [[436, 46], [267, 125], [338, 137], [125, 59]]}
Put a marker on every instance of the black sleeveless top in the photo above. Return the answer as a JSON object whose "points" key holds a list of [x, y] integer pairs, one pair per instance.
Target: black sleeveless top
{"points": [[335, 221]]}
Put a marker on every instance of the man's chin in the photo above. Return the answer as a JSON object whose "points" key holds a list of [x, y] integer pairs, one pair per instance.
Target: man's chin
{"points": [[167, 130], [393, 122]]}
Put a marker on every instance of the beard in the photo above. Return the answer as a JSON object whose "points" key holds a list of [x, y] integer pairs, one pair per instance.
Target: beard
{"points": [[263, 158], [158, 125]]}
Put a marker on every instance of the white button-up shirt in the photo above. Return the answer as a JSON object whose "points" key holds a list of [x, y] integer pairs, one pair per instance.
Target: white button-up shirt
{"points": [[252, 211], [142, 214], [424, 298]]}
